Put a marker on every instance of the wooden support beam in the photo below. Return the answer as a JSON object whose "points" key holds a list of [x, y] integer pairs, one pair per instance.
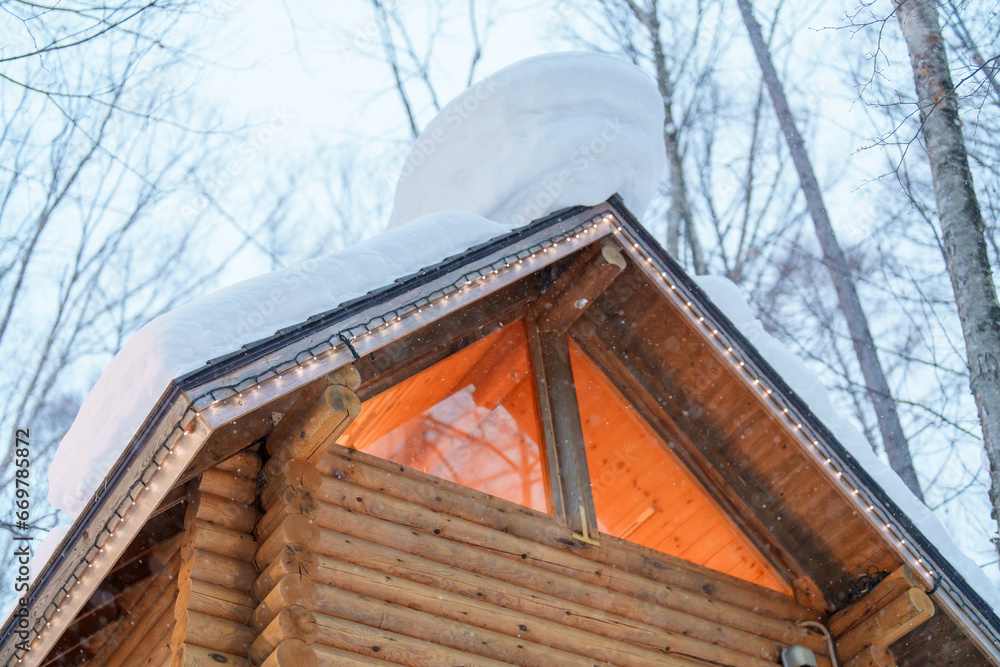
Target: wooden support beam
{"points": [[894, 585], [229, 486], [235, 516], [327, 655], [245, 464], [216, 600], [562, 430], [894, 620], [519, 650], [223, 541], [283, 473], [579, 285], [379, 510], [293, 500], [222, 571], [295, 529], [304, 431]]}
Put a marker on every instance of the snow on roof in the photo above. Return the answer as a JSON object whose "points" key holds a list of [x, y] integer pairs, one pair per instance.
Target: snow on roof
{"points": [[728, 298], [184, 339], [546, 133]]}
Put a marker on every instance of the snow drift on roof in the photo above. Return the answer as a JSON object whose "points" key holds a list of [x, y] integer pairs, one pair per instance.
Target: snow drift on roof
{"points": [[546, 133], [184, 339]]}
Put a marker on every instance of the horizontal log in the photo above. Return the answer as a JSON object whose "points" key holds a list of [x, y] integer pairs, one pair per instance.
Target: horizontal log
{"points": [[327, 655], [222, 571], [217, 601], [512, 623], [295, 529], [292, 500], [292, 590], [213, 633], [887, 590], [393, 647], [228, 485], [304, 432], [291, 559], [446, 632], [245, 464], [888, 624], [291, 623], [450, 498], [285, 473], [235, 516], [342, 494], [199, 656], [343, 549], [873, 656], [223, 541], [293, 653], [527, 575]]}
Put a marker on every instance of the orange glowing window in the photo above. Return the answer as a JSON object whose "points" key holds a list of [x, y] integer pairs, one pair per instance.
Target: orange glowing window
{"points": [[471, 418], [643, 493]]}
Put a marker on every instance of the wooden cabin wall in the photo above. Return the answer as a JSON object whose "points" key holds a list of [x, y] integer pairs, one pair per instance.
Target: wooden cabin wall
{"points": [[403, 567]]}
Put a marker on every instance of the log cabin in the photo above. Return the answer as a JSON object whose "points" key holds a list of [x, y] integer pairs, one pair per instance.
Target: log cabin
{"points": [[549, 449]]}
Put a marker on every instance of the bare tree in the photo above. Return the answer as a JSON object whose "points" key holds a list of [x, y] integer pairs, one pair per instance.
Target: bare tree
{"points": [[894, 440], [105, 165], [963, 242]]}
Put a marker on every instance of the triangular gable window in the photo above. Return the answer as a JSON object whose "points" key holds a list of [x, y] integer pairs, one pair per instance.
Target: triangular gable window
{"points": [[474, 418], [644, 494], [471, 419]]}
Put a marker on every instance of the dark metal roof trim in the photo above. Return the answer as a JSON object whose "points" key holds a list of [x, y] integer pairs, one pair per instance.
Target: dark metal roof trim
{"points": [[257, 349]]}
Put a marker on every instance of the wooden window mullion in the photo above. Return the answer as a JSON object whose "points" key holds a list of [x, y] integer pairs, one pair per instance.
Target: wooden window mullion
{"points": [[569, 478]]}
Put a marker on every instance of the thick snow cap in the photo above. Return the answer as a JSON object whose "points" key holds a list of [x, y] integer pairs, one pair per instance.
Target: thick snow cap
{"points": [[557, 130], [184, 339]]}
